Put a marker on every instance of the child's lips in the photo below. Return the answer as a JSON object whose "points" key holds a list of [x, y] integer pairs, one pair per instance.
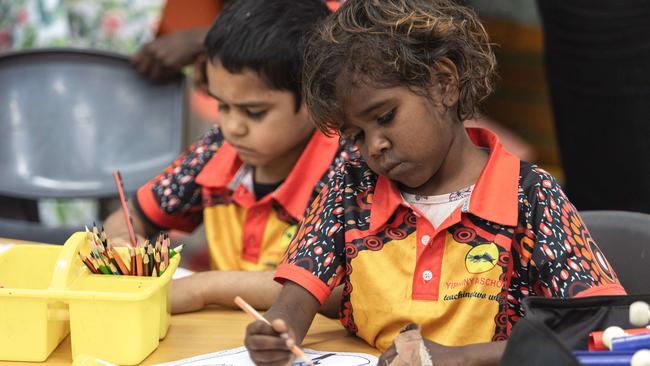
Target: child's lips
{"points": [[243, 150], [393, 167]]}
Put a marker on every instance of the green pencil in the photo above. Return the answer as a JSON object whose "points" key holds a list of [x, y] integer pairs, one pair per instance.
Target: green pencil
{"points": [[174, 251]]}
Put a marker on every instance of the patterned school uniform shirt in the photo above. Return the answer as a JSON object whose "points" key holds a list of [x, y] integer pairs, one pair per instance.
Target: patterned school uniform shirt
{"points": [[210, 184], [516, 235]]}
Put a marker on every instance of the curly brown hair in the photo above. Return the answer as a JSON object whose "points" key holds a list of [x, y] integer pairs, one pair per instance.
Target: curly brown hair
{"points": [[388, 43]]}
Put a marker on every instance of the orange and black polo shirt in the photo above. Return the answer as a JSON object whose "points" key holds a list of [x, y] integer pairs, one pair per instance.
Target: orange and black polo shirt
{"points": [[204, 185], [517, 235]]}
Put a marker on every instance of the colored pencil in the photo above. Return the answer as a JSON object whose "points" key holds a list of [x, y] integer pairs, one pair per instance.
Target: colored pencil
{"points": [[145, 265], [125, 210], [119, 261], [147, 258], [134, 270], [88, 263], [138, 261], [156, 257], [174, 251], [165, 253]]}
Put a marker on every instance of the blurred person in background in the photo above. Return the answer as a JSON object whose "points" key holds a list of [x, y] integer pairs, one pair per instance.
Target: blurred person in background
{"points": [[598, 70], [120, 26]]}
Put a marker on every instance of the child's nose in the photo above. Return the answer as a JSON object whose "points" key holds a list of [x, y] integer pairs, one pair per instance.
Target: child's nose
{"points": [[234, 126], [377, 145]]}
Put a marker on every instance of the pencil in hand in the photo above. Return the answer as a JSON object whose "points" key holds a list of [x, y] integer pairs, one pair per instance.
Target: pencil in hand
{"points": [[254, 314], [127, 215]]}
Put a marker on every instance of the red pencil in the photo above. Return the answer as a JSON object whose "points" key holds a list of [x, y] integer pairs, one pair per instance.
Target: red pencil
{"points": [[127, 215]]}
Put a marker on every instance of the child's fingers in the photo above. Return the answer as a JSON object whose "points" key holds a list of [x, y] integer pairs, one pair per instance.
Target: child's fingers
{"points": [[120, 242], [269, 344], [266, 343], [279, 325], [259, 327], [268, 350]]}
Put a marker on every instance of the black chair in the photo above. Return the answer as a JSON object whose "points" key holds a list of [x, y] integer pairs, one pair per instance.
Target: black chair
{"points": [[624, 237], [69, 118]]}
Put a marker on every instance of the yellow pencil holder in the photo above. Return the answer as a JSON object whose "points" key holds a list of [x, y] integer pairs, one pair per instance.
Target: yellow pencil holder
{"points": [[48, 292]]}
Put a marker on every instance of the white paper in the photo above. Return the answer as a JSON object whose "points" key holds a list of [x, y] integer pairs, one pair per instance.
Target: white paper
{"points": [[239, 357], [181, 272]]}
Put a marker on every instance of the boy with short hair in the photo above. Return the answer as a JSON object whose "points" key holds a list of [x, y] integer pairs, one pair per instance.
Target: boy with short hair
{"points": [[250, 179], [436, 225]]}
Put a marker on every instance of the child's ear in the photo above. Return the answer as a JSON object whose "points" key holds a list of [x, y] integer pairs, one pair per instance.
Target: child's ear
{"points": [[445, 81]]}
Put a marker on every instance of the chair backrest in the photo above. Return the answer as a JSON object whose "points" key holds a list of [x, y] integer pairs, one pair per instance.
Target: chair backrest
{"points": [[70, 117], [624, 237]]}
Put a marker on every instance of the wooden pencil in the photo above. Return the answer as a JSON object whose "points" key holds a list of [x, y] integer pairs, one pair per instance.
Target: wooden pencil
{"points": [[151, 259], [134, 271], [156, 257], [88, 263], [119, 261], [174, 251], [138, 261], [145, 265], [100, 264], [125, 210], [165, 253]]}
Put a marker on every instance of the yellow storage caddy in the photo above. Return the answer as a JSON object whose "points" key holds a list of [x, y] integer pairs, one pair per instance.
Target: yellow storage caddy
{"points": [[31, 325], [116, 318]]}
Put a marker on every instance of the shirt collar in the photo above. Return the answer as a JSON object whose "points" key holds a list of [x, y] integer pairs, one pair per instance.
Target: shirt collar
{"points": [[296, 191], [495, 194]]}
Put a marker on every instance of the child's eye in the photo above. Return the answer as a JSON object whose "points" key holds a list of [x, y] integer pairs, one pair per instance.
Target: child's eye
{"points": [[356, 137], [223, 107], [352, 135], [386, 118], [255, 114]]}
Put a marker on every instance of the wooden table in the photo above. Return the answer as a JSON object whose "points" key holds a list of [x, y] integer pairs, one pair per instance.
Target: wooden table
{"points": [[216, 329]]}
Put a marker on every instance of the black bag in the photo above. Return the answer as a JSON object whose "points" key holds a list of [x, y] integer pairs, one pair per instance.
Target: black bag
{"points": [[554, 327]]}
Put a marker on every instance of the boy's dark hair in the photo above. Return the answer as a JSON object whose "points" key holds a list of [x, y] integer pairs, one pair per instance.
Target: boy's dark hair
{"points": [[265, 36], [388, 43]]}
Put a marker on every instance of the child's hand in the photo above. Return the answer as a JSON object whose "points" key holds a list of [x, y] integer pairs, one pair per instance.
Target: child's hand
{"points": [[269, 344], [165, 56], [187, 294], [120, 241]]}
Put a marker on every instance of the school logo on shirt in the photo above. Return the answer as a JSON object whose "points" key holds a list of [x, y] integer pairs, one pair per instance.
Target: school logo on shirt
{"points": [[288, 234], [482, 258]]}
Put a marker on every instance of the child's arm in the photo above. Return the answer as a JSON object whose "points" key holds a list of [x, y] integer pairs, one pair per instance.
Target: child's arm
{"points": [[560, 258], [194, 292], [290, 316], [220, 288]]}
